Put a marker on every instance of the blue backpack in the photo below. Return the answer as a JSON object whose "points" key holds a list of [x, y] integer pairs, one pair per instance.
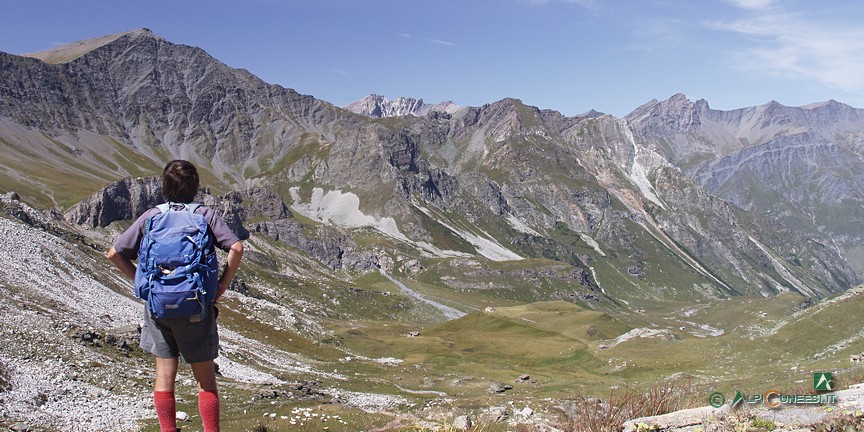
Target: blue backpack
{"points": [[177, 266]]}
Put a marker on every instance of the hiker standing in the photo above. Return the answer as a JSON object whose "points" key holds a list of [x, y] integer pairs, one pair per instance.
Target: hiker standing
{"points": [[183, 325]]}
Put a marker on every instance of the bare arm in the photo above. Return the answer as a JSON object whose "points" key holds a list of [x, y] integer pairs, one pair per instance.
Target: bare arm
{"points": [[232, 263], [122, 263]]}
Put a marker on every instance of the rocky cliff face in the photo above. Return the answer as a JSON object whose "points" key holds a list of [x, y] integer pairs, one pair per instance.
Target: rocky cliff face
{"points": [[503, 181], [799, 165], [123, 200]]}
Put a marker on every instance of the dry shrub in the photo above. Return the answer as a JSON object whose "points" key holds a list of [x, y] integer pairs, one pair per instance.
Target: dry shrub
{"points": [[844, 378], [595, 415], [740, 419], [447, 427], [847, 422]]}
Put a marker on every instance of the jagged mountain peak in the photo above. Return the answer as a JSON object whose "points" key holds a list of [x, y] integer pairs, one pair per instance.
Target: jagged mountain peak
{"points": [[831, 103], [71, 51], [678, 98], [676, 105], [592, 113], [508, 116], [678, 112], [680, 101], [377, 106], [512, 105]]}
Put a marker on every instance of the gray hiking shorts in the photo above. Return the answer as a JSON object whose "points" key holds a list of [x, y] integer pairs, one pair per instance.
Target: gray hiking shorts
{"points": [[191, 338]]}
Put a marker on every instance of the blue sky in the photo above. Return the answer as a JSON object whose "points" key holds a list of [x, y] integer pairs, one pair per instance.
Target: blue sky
{"points": [[566, 55]]}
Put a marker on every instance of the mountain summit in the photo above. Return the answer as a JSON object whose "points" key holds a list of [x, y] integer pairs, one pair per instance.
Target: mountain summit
{"points": [[377, 106], [68, 52]]}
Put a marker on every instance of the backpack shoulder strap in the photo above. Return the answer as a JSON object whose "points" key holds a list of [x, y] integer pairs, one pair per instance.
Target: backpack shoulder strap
{"points": [[191, 207], [146, 243]]}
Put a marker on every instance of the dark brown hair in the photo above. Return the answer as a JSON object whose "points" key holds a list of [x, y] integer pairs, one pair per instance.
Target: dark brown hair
{"points": [[180, 181]]}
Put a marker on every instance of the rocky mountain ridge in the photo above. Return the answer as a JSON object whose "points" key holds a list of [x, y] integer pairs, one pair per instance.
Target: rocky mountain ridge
{"points": [[438, 178], [800, 165]]}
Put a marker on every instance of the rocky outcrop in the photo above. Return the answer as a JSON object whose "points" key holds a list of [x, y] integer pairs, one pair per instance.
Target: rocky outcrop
{"points": [[237, 207], [330, 246], [129, 198], [122, 200], [328, 249], [50, 220]]}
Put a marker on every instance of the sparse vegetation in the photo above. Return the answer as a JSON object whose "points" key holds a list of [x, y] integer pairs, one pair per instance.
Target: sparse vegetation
{"points": [[737, 420], [596, 415], [447, 427], [850, 421], [763, 425]]}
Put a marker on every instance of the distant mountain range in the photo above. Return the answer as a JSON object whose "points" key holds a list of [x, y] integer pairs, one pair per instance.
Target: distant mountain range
{"points": [[674, 199]]}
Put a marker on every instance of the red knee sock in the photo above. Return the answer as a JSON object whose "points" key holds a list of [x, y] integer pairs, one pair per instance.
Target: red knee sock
{"points": [[166, 409], [208, 407]]}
